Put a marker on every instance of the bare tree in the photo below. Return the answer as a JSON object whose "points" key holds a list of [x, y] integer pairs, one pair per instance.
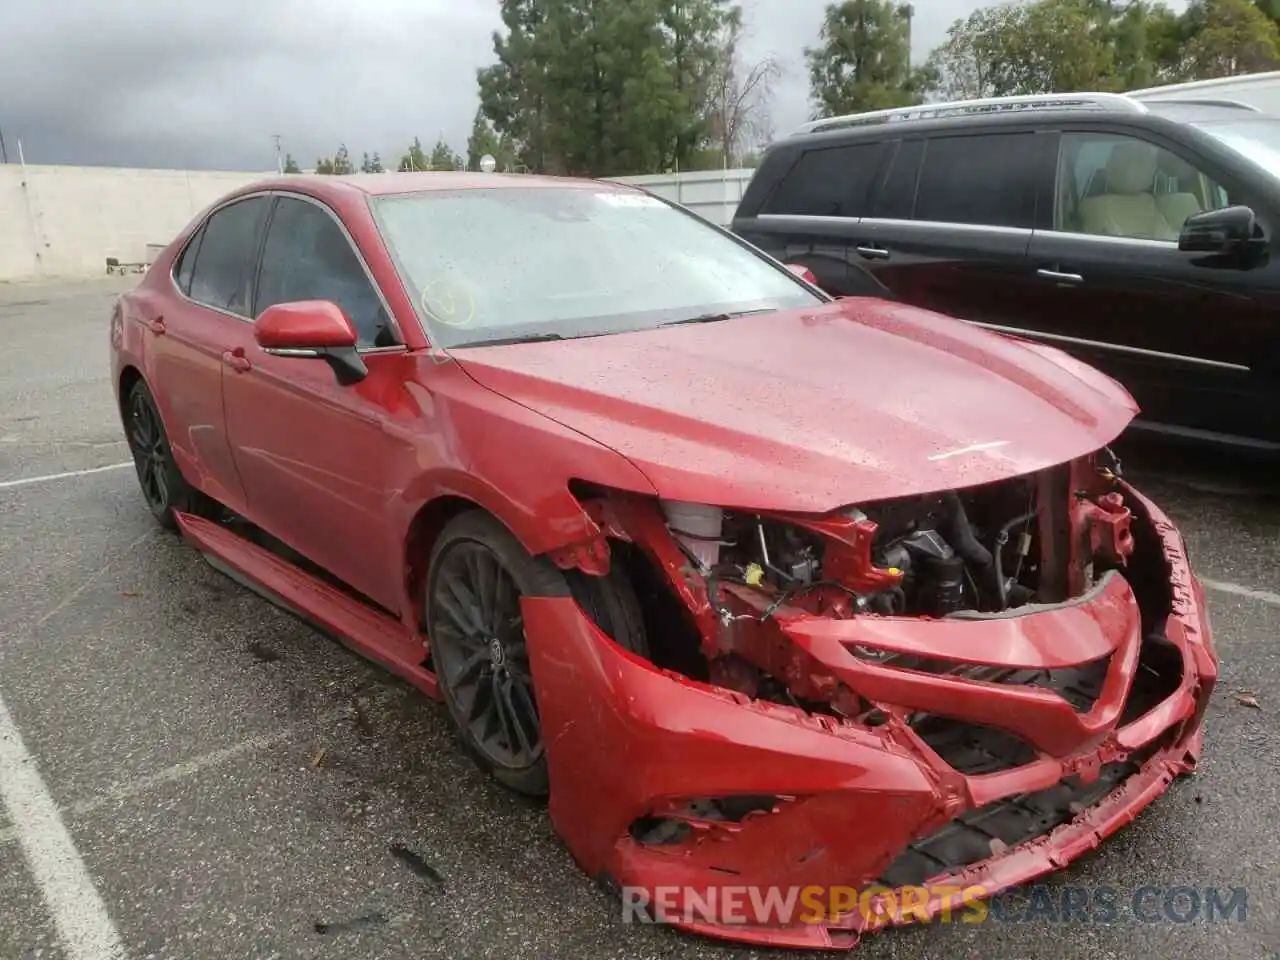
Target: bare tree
{"points": [[739, 94]]}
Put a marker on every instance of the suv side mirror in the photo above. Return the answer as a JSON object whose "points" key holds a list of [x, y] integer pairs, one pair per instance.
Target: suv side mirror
{"points": [[1231, 232], [312, 328]]}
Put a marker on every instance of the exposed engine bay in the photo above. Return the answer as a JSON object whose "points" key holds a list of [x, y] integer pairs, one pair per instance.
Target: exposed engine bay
{"points": [[987, 552]]}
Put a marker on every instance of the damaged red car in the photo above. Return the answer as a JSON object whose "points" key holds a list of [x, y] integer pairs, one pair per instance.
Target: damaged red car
{"points": [[763, 589]]}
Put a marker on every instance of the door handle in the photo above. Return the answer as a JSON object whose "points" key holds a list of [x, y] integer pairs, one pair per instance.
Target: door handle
{"points": [[156, 325], [1066, 279], [872, 253], [237, 361]]}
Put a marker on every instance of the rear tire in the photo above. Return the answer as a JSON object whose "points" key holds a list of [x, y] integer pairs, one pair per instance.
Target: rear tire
{"points": [[478, 572], [163, 486]]}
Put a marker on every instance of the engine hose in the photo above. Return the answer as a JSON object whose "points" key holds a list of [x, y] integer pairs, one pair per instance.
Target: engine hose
{"points": [[1001, 539], [959, 532]]}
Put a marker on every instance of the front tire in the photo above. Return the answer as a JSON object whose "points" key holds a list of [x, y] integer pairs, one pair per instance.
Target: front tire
{"points": [[162, 484], [477, 575]]}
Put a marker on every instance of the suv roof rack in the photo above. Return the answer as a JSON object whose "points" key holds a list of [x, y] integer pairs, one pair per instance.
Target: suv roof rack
{"points": [[1204, 102], [1075, 101]]}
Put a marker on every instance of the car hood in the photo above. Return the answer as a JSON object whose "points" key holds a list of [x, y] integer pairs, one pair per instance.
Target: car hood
{"points": [[811, 410]]}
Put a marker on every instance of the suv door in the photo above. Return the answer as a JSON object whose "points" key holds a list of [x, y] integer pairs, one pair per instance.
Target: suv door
{"points": [[952, 219], [212, 276], [311, 452], [1179, 332], [808, 208]]}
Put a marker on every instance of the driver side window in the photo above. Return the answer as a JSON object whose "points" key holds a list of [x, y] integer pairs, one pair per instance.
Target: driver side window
{"points": [[1118, 186], [307, 256]]}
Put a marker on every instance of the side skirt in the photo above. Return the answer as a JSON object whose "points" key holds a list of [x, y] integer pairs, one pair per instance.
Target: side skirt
{"points": [[371, 634]]}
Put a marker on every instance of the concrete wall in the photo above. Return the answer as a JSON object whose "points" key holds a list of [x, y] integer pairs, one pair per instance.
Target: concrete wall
{"points": [[712, 194], [66, 221]]}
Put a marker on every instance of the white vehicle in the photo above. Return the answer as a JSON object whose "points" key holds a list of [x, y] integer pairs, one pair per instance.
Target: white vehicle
{"points": [[1261, 91]]}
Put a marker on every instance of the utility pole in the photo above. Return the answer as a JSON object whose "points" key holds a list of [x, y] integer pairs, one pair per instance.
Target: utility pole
{"points": [[4, 154], [279, 159]]}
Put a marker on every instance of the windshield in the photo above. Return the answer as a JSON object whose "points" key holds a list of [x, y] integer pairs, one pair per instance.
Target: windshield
{"points": [[511, 263], [1257, 140]]}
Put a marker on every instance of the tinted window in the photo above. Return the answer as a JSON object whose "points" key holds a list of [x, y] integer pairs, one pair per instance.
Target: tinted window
{"points": [[986, 179], [897, 196], [833, 181], [1118, 186], [307, 256], [187, 262], [221, 274]]}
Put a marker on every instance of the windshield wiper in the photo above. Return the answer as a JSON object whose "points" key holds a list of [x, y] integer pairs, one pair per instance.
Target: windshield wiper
{"points": [[526, 338], [716, 317]]}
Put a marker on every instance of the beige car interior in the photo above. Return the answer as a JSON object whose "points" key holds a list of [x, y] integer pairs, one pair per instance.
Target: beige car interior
{"points": [[1141, 192]]}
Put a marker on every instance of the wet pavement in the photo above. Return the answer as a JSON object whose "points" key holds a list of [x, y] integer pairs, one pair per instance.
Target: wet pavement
{"points": [[237, 786]]}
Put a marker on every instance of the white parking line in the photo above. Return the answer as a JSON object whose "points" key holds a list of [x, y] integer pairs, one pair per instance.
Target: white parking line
{"points": [[83, 924], [120, 792], [26, 481], [1266, 596]]}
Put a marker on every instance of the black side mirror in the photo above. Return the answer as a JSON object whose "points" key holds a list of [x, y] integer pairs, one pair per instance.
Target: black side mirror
{"points": [[1230, 232]]}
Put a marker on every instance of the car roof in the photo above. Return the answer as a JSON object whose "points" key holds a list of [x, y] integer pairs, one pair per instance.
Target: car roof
{"points": [[389, 184]]}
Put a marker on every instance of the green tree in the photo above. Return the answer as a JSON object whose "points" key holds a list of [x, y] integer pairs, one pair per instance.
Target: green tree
{"points": [[415, 158], [513, 91], [602, 87], [1042, 47], [1229, 37], [485, 140], [338, 164], [613, 105], [863, 58], [693, 35], [291, 165], [443, 158], [371, 164]]}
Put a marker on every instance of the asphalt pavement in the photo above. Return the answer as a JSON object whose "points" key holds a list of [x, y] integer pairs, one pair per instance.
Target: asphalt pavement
{"points": [[194, 773]]}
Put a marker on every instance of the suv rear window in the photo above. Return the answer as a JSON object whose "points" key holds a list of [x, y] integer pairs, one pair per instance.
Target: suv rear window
{"points": [[986, 179], [828, 182]]}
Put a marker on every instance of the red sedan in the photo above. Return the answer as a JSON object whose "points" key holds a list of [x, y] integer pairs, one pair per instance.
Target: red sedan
{"points": [[768, 592]]}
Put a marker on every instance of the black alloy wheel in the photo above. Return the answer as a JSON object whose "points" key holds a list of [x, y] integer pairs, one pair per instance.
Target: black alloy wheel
{"points": [[483, 657], [162, 484], [478, 572]]}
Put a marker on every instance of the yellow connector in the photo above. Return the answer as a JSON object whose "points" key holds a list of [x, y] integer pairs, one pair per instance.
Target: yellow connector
{"points": [[754, 574]]}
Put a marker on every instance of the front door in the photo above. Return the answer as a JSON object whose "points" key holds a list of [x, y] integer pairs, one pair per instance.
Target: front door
{"points": [[312, 453], [1184, 336]]}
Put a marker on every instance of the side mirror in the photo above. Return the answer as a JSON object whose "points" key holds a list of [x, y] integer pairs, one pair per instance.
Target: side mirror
{"points": [[1231, 232], [312, 328], [803, 272]]}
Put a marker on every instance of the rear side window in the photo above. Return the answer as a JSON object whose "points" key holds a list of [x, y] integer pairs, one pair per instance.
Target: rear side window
{"points": [[828, 182], [223, 263], [187, 262], [987, 179]]}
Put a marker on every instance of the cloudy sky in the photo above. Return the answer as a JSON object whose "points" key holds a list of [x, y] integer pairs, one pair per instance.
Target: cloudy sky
{"points": [[170, 83]]}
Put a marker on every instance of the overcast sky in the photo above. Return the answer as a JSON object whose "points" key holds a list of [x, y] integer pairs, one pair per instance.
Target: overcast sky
{"points": [[168, 83]]}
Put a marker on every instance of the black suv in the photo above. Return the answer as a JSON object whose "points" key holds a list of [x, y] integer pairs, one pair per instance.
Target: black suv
{"points": [[1140, 237]]}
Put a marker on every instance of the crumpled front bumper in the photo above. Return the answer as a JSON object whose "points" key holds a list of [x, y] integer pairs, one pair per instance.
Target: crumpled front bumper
{"points": [[849, 805]]}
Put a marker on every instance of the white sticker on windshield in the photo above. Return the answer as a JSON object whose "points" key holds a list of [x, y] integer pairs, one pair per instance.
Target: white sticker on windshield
{"points": [[630, 200]]}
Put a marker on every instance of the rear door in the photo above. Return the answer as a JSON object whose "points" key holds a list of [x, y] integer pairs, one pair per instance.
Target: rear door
{"points": [[311, 452], [1182, 334], [952, 219], [189, 342], [810, 215]]}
